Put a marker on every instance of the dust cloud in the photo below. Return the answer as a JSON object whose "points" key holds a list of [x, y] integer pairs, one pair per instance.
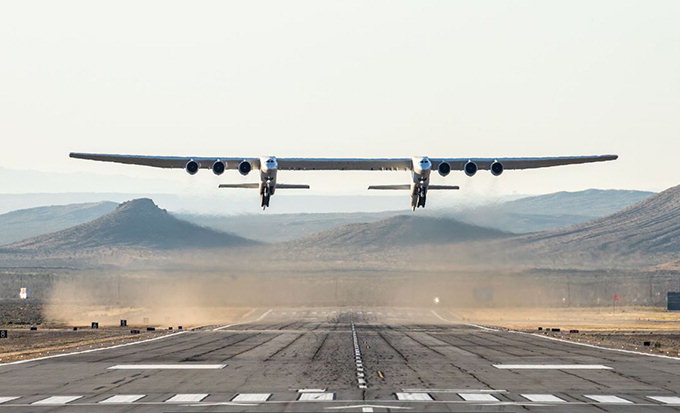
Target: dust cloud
{"points": [[224, 287]]}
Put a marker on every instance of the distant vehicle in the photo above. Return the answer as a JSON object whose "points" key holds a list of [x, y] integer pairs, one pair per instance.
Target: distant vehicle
{"points": [[420, 168]]}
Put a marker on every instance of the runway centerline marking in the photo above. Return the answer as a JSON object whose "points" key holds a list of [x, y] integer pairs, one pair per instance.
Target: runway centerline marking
{"points": [[607, 399], [543, 398], [122, 398], [187, 398], [167, 367], [551, 367], [55, 400]]}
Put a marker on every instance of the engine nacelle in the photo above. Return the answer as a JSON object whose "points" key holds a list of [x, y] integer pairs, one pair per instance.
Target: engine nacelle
{"points": [[444, 169], [496, 168], [470, 168], [218, 167], [192, 167], [245, 167]]}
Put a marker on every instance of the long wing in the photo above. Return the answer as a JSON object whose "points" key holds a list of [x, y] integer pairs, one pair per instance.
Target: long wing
{"points": [[457, 164], [342, 164], [165, 161]]}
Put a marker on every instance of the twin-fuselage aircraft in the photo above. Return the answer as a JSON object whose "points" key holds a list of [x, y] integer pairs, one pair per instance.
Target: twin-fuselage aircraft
{"points": [[420, 168]]}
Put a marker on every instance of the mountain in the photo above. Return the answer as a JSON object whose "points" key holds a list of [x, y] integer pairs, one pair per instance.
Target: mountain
{"points": [[136, 223], [27, 223], [272, 228], [400, 230], [524, 215], [550, 211], [646, 230]]}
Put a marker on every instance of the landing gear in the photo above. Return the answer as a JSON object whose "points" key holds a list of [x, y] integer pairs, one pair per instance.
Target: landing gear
{"points": [[419, 198], [265, 195]]}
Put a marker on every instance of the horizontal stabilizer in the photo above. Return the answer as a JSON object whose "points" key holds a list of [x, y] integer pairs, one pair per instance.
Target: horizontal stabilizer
{"points": [[386, 187], [250, 186], [291, 186], [443, 187]]}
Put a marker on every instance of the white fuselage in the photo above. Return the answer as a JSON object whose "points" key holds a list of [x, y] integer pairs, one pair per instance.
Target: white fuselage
{"points": [[268, 169], [420, 173]]}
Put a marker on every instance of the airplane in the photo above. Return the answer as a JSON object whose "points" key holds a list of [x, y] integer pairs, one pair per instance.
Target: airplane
{"points": [[420, 168]]}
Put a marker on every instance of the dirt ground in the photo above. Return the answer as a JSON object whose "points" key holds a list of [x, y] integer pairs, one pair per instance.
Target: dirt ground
{"points": [[625, 328], [58, 336]]}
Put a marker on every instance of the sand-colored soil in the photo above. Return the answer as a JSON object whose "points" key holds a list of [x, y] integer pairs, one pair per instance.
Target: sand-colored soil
{"points": [[625, 328], [581, 318], [24, 344]]}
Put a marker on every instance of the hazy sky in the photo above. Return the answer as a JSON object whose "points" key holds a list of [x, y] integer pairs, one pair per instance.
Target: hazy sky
{"points": [[345, 78]]}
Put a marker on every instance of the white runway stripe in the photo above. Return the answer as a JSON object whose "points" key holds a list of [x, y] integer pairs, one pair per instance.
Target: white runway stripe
{"points": [[251, 397], [543, 398], [167, 367], [316, 396], [187, 398], [56, 400], [6, 399], [477, 397], [551, 367], [607, 399], [413, 396], [123, 398], [665, 399]]}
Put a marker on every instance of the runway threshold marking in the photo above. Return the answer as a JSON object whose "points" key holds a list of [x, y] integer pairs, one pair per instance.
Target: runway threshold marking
{"points": [[607, 399], [478, 397], [308, 396], [454, 391], [8, 399], [122, 398], [167, 367], [543, 398], [55, 400], [251, 397], [414, 396], [187, 398], [551, 367], [665, 399]]}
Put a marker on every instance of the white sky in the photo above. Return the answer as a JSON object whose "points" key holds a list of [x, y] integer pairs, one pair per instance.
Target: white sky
{"points": [[345, 78]]}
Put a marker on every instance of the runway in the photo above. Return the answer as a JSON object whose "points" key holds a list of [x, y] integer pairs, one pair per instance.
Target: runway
{"points": [[354, 360]]}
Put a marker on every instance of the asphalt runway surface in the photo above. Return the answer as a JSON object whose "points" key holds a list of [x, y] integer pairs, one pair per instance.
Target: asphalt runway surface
{"points": [[354, 360]]}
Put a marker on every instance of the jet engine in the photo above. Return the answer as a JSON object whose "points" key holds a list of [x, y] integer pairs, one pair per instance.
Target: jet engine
{"points": [[496, 168], [470, 168], [245, 167], [444, 169], [192, 167], [218, 167]]}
